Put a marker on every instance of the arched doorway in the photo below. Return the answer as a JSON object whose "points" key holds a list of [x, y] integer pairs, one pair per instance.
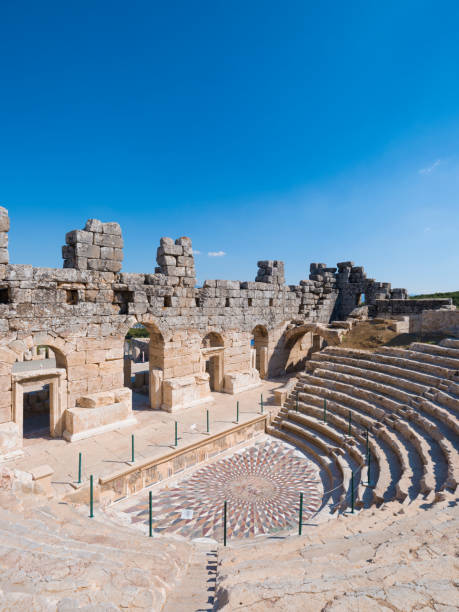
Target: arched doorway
{"points": [[39, 391], [144, 364], [212, 348], [259, 344], [298, 349]]}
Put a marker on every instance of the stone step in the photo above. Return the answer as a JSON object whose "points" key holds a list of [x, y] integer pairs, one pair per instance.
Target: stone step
{"points": [[64, 554], [450, 343], [410, 438], [427, 481], [381, 373], [425, 373], [383, 482], [421, 357], [434, 349]]}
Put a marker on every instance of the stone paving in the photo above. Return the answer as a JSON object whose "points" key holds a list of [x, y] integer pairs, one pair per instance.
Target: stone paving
{"points": [[261, 484], [154, 436]]}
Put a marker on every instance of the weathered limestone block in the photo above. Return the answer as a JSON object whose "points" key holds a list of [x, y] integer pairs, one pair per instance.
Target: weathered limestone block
{"points": [[4, 220], [237, 382], [10, 440], [89, 421], [94, 400], [186, 391]]}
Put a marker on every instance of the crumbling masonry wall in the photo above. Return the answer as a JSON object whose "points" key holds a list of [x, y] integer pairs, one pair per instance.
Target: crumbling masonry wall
{"points": [[83, 312]]}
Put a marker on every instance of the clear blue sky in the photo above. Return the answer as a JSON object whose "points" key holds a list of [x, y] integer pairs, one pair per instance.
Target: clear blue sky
{"points": [[296, 130]]}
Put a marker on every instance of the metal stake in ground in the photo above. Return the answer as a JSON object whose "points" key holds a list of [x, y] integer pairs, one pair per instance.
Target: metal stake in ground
{"points": [[176, 434], [224, 523], [91, 497], [261, 403], [368, 470], [237, 412], [300, 518], [352, 492], [150, 514], [132, 448], [208, 427], [79, 468]]}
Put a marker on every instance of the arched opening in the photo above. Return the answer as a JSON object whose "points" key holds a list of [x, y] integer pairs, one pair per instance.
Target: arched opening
{"points": [[299, 349], [212, 348], [39, 384], [144, 365], [259, 344]]}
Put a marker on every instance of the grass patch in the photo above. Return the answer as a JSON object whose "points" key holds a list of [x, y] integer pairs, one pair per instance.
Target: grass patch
{"points": [[454, 295]]}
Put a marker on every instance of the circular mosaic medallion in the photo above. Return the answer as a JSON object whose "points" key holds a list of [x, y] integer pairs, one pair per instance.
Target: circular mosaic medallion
{"points": [[261, 485]]}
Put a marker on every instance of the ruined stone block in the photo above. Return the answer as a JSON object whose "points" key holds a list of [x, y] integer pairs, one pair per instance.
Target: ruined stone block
{"points": [[108, 240], [4, 220], [77, 236], [4, 256], [94, 225], [111, 228]]}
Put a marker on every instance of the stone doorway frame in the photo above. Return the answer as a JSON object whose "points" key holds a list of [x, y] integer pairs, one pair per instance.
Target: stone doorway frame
{"points": [[216, 353], [56, 378]]}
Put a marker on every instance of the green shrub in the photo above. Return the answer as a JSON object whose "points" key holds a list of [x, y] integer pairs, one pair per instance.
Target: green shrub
{"points": [[449, 294]]}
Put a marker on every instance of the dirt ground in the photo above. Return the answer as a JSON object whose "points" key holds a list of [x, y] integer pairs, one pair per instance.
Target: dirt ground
{"points": [[373, 334]]}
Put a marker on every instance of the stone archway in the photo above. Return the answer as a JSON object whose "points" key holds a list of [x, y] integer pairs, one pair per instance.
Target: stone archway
{"points": [[153, 378]]}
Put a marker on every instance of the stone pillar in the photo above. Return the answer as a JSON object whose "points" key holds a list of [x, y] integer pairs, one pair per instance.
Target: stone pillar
{"points": [[263, 361], [127, 372], [175, 260], [156, 388], [98, 247]]}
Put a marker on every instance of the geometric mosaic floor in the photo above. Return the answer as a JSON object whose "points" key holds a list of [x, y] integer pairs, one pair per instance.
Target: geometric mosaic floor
{"points": [[261, 484]]}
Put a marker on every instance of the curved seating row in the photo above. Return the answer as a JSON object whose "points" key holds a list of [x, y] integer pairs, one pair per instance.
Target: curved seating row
{"points": [[406, 399]]}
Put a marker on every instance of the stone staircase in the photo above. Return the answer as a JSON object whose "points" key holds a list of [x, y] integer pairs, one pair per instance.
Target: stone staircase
{"points": [[407, 400], [391, 558], [54, 558]]}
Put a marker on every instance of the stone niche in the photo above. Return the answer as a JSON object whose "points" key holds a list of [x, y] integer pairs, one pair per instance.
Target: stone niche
{"points": [[99, 412]]}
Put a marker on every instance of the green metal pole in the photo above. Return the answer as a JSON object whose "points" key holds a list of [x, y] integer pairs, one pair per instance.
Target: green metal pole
{"points": [[300, 518], [176, 435], [208, 429], [237, 412], [352, 492], [325, 410], [261, 403], [224, 523], [350, 420], [150, 518], [132, 448], [79, 468], [91, 497]]}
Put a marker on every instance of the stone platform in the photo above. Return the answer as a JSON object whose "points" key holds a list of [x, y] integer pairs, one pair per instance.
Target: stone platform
{"points": [[154, 437], [261, 484]]}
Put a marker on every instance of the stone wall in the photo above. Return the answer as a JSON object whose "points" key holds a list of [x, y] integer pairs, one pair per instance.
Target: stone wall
{"points": [[407, 307], [83, 312]]}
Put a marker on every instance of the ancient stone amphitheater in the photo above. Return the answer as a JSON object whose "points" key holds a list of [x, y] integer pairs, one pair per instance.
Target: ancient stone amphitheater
{"points": [[337, 493]]}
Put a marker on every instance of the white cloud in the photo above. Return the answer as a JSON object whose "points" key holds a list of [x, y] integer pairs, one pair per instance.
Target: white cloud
{"points": [[196, 252], [431, 168], [216, 253]]}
